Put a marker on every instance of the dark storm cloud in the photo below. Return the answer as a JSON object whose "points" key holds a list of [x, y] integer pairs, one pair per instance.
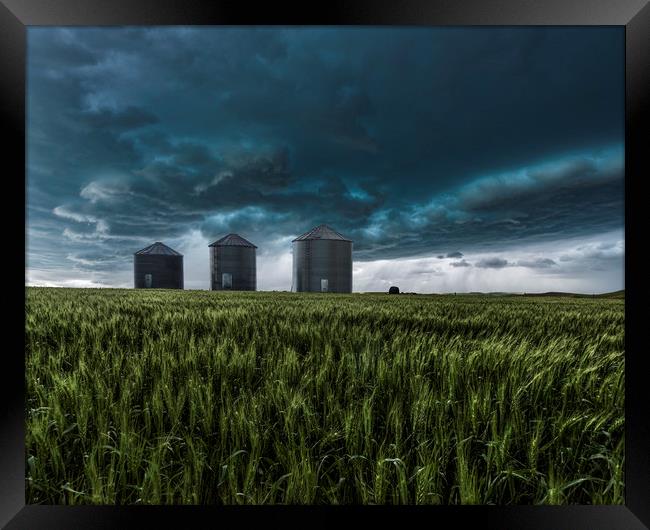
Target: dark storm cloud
{"points": [[129, 118], [492, 263], [541, 263], [461, 263], [539, 203], [410, 141]]}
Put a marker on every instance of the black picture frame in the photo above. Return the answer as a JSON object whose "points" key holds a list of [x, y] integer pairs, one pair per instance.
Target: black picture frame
{"points": [[16, 15]]}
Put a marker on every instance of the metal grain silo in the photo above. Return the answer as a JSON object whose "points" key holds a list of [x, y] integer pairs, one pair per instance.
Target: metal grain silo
{"points": [[159, 267], [322, 262], [232, 264]]}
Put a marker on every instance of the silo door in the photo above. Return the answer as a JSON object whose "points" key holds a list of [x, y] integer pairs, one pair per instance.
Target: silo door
{"points": [[323, 285], [226, 280], [148, 280]]}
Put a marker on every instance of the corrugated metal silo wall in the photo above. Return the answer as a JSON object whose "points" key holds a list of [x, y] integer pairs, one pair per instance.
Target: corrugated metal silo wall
{"points": [[316, 259], [236, 260], [166, 271]]}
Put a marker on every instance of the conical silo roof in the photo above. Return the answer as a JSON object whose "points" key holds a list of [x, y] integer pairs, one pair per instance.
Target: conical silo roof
{"points": [[322, 232], [159, 249], [232, 240]]}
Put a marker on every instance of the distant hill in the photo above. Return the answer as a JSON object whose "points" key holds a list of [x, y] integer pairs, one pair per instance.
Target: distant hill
{"points": [[614, 294]]}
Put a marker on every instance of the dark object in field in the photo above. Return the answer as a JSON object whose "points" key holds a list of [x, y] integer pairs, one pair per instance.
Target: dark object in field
{"points": [[322, 262], [233, 264], [157, 267], [393, 290]]}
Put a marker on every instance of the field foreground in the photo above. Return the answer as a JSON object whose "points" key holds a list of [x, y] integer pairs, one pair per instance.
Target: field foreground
{"points": [[196, 397]]}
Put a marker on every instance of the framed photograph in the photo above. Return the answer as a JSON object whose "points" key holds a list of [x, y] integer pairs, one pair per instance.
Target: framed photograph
{"points": [[293, 266]]}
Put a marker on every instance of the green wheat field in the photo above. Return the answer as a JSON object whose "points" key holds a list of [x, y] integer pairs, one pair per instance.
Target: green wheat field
{"points": [[199, 397]]}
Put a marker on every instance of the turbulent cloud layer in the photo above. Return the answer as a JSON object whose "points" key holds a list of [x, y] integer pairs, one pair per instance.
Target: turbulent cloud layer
{"points": [[464, 144]]}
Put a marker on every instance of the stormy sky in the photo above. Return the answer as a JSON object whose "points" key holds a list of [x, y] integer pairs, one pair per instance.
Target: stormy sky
{"points": [[456, 159]]}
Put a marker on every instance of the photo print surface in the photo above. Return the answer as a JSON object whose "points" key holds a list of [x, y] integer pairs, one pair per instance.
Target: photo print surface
{"points": [[317, 265]]}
